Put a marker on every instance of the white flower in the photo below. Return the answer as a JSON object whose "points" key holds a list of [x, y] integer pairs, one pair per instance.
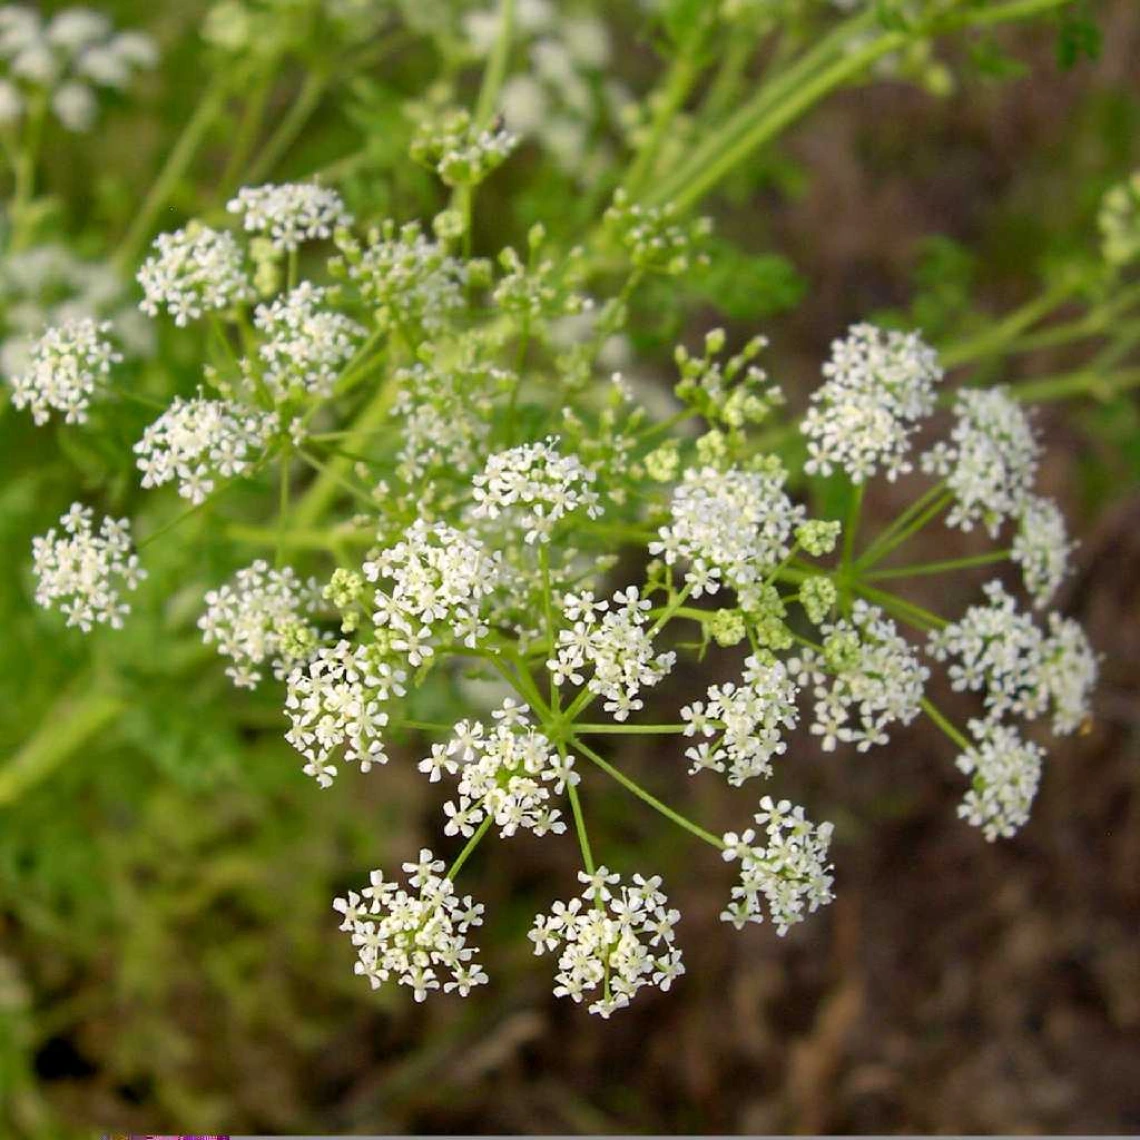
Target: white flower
{"points": [[193, 271], [733, 525], [418, 937], [509, 772], [620, 939], [64, 369], [615, 646], [991, 463], [749, 719], [290, 213], [867, 678], [430, 586], [305, 346], [83, 573], [536, 487], [197, 441], [879, 386], [789, 877], [1042, 548], [334, 701], [999, 651], [77, 47], [409, 280], [259, 616], [1006, 772]]}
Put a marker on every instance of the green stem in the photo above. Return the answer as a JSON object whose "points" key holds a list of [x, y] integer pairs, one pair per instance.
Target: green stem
{"points": [[924, 568], [945, 724], [1085, 382], [882, 549], [77, 718], [630, 729], [1002, 332], [470, 846], [289, 128], [580, 827], [699, 180], [178, 161], [909, 612], [647, 797], [496, 71], [679, 82]]}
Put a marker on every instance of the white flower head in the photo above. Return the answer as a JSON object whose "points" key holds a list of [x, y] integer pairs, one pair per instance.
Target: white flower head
{"points": [[335, 704], [879, 387], [261, 615], [305, 346], [991, 461], [613, 645], [535, 486], [612, 942], [1005, 772], [83, 572], [733, 526], [742, 726], [1042, 548], [509, 772], [290, 213], [787, 878], [193, 271], [198, 441], [867, 678], [65, 367], [997, 650], [417, 937]]}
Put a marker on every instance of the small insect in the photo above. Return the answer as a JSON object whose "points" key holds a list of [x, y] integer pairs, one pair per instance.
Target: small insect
{"points": [[1086, 726]]}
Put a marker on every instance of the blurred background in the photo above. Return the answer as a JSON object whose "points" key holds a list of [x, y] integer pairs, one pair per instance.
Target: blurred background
{"points": [[169, 959]]}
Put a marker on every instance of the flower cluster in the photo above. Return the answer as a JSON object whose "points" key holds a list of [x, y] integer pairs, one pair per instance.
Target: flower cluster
{"points": [[437, 581], [334, 702], [653, 237], [1005, 772], [65, 60], [461, 152], [291, 213], [879, 386], [734, 526], [193, 271], [507, 773], [83, 572], [305, 345], [1042, 548], [198, 441], [747, 721], [445, 416], [991, 462], [865, 678], [1119, 222], [536, 486], [65, 367], [789, 876], [998, 651], [47, 286], [613, 938], [261, 615], [613, 644], [410, 281], [418, 936]]}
